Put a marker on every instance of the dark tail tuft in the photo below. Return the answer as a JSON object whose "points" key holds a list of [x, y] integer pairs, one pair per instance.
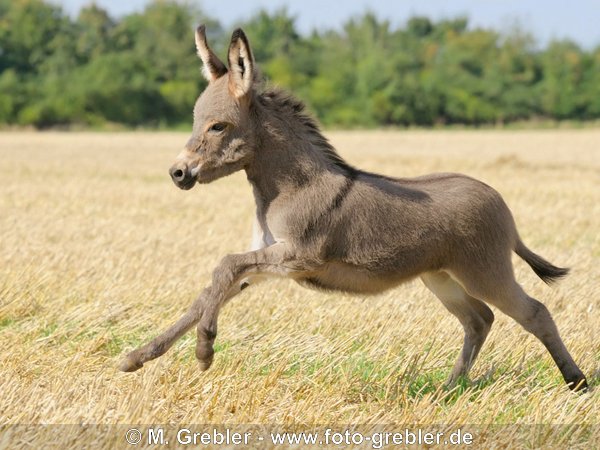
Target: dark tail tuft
{"points": [[546, 271]]}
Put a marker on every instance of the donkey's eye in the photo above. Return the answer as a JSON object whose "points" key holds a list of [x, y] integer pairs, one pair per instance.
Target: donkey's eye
{"points": [[217, 127]]}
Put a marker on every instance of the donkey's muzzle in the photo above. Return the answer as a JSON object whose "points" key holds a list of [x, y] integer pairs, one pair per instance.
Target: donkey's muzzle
{"points": [[182, 176]]}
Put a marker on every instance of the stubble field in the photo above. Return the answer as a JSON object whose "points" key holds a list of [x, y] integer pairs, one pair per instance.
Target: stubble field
{"points": [[99, 252]]}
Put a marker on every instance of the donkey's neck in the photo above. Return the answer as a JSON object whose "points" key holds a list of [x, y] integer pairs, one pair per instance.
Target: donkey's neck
{"points": [[292, 153]]}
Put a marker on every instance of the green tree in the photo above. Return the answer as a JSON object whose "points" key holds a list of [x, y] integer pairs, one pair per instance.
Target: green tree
{"points": [[563, 74], [590, 86], [28, 33], [95, 29]]}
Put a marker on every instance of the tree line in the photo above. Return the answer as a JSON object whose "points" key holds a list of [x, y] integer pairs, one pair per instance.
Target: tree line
{"points": [[141, 69]]}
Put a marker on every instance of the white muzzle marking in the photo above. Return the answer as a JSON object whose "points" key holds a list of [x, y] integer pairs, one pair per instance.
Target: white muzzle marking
{"points": [[195, 170]]}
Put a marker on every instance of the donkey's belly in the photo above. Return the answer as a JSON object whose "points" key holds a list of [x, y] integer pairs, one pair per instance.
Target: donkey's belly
{"points": [[338, 276]]}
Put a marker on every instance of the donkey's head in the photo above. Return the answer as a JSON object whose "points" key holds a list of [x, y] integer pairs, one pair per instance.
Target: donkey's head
{"points": [[223, 137]]}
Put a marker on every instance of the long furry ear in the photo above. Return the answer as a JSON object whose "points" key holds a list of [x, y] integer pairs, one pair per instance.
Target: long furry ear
{"points": [[212, 67], [241, 65]]}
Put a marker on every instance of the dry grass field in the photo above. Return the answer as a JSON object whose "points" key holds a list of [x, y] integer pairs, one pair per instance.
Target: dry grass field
{"points": [[99, 251]]}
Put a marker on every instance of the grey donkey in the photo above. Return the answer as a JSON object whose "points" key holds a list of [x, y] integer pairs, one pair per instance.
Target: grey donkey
{"points": [[328, 225]]}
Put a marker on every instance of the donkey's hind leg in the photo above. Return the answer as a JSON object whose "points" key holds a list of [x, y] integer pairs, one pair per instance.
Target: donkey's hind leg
{"points": [[475, 317], [499, 288]]}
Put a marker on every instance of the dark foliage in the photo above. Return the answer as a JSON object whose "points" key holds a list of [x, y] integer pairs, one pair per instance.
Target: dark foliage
{"points": [[142, 69]]}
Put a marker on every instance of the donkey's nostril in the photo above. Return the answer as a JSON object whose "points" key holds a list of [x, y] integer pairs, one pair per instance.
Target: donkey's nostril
{"points": [[178, 174]]}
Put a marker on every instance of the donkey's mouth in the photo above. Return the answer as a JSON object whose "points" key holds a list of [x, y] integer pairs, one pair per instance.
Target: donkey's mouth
{"points": [[187, 186]]}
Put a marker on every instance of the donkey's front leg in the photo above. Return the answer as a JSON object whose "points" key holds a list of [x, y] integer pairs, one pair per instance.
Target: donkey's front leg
{"points": [[204, 311], [226, 284], [160, 344]]}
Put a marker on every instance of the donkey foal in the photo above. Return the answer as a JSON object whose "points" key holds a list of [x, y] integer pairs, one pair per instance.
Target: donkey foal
{"points": [[326, 224]]}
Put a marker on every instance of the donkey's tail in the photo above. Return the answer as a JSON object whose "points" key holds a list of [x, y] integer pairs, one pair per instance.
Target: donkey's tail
{"points": [[549, 273]]}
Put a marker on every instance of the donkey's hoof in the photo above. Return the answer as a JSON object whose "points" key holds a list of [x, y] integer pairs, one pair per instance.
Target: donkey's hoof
{"points": [[205, 364], [129, 364], [579, 385]]}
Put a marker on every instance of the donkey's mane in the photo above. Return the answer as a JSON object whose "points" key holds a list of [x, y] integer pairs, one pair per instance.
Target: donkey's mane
{"points": [[285, 103]]}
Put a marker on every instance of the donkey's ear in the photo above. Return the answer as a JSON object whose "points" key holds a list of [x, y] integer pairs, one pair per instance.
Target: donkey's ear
{"points": [[212, 67], [241, 65]]}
